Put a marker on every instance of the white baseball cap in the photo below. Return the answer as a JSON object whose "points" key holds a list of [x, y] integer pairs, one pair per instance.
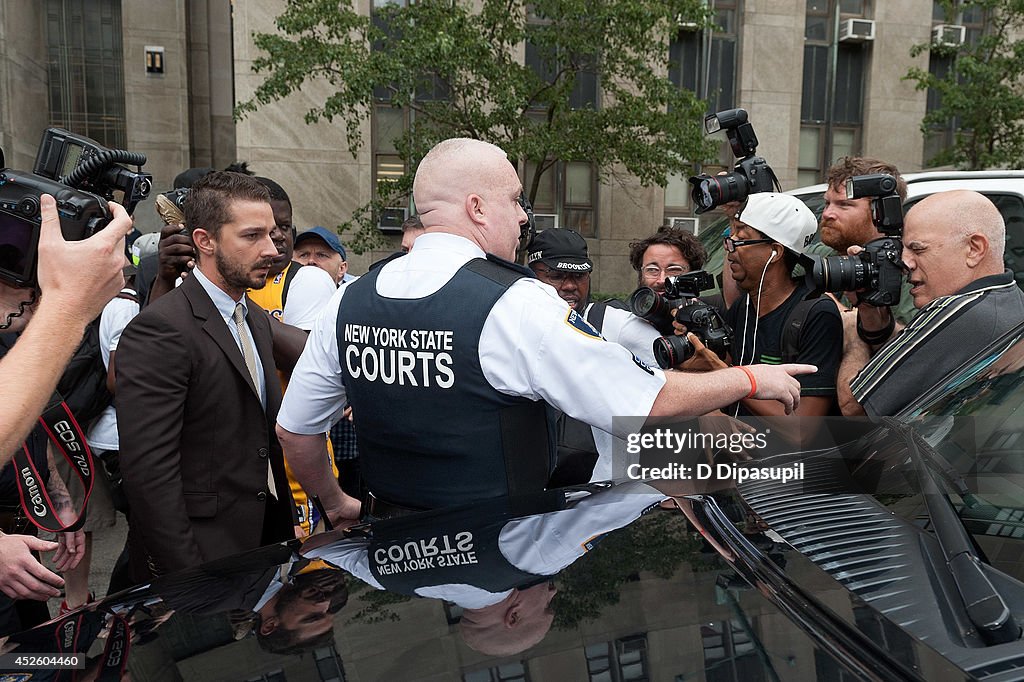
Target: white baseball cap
{"points": [[145, 245], [781, 217]]}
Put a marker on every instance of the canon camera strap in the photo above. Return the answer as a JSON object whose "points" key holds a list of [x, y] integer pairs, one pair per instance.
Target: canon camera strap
{"points": [[63, 430]]}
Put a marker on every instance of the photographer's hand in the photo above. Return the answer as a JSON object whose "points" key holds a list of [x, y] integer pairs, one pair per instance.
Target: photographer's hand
{"points": [[76, 279], [80, 277], [21, 575], [874, 320], [702, 360]]}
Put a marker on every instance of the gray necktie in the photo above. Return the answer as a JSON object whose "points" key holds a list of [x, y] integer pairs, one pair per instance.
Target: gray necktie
{"points": [[249, 354]]}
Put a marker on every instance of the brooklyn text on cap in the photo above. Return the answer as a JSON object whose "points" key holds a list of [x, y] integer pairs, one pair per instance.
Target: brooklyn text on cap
{"points": [[781, 217], [560, 249]]}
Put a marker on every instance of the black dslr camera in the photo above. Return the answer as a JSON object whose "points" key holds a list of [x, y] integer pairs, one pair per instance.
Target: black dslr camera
{"points": [[752, 173], [703, 320], [82, 176], [877, 270]]}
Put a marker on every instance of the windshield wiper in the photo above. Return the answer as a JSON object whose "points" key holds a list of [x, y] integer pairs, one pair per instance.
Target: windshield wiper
{"points": [[985, 607]]}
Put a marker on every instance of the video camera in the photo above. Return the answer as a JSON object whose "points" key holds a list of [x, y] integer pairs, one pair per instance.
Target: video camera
{"points": [[82, 176], [877, 270], [752, 173], [703, 320]]}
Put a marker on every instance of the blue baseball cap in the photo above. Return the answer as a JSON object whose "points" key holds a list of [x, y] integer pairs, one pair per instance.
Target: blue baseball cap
{"points": [[327, 236]]}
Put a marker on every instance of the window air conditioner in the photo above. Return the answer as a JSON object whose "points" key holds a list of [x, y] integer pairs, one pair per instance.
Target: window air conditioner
{"points": [[391, 219], [949, 35], [856, 30], [545, 221], [689, 224]]}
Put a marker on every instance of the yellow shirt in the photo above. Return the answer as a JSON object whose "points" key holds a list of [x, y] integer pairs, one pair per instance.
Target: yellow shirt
{"points": [[270, 298]]}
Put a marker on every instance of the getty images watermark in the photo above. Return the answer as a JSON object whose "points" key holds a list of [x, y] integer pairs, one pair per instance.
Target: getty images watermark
{"points": [[709, 449]]}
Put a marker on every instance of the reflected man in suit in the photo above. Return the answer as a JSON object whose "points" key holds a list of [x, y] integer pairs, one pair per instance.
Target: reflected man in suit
{"points": [[202, 467]]}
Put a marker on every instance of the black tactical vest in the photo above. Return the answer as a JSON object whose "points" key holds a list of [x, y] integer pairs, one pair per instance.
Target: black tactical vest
{"points": [[432, 432]]}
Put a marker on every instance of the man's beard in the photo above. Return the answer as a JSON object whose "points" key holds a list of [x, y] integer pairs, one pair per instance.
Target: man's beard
{"points": [[842, 239], [241, 276]]}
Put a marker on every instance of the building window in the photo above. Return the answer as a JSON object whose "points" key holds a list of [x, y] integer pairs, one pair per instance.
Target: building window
{"points": [[832, 103], [272, 676], [730, 653], [328, 664], [510, 672], [550, 65], [389, 124], [972, 18], [566, 194], [704, 62], [622, 660], [565, 197], [86, 69]]}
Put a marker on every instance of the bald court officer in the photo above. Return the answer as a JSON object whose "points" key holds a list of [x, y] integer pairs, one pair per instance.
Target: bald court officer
{"points": [[448, 354]]}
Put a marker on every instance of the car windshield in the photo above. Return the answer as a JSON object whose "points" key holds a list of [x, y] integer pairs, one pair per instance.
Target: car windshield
{"points": [[712, 235], [974, 422]]}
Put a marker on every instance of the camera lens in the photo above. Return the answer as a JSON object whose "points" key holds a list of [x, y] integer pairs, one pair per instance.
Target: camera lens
{"points": [[840, 273], [646, 303], [29, 206], [669, 351], [714, 190]]}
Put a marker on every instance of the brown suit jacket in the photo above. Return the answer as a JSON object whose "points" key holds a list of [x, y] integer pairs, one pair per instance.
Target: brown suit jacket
{"points": [[194, 438]]}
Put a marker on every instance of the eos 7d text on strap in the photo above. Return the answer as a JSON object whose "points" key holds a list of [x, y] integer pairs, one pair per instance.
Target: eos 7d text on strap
{"points": [[63, 430]]}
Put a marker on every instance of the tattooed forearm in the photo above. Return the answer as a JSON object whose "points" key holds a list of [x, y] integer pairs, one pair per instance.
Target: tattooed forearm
{"points": [[58, 491]]}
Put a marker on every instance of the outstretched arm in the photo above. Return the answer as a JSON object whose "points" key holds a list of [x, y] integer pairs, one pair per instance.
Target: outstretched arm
{"points": [[76, 280]]}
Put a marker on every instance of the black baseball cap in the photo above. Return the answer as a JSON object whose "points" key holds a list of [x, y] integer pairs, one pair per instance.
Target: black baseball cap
{"points": [[560, 249]]}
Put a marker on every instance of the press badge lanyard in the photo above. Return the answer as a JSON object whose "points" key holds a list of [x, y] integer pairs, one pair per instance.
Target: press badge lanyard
{"points": [[63, 430]]}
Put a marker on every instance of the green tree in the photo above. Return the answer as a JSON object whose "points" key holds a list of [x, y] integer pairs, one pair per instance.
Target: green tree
{"points": [[983, 91], [458, 67]]}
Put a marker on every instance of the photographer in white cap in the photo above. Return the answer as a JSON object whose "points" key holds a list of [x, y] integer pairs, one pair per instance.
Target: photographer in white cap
{"points": [[774, 321]]}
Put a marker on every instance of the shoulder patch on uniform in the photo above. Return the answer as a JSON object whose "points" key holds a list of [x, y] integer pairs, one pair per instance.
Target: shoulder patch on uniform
{"points": [[643, 365], [580, 324]]}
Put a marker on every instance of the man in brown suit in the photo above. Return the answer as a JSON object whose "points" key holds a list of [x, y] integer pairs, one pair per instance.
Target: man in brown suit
{"points": [[203, 471]]}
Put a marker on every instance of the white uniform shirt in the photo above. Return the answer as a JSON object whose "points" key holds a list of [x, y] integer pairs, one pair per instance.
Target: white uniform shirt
{"points": [[631, 332], [115, 317], [542, 544], [528, 347], [309, 293], [636, 335]]}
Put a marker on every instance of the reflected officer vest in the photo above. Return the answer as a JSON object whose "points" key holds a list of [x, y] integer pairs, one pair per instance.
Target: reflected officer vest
{"points": [[454, 546], [432, 432]]}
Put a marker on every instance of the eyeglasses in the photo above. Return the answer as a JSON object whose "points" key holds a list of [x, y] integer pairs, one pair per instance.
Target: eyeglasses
{"points": [[557, 277], [732, 244], [653, 271]]}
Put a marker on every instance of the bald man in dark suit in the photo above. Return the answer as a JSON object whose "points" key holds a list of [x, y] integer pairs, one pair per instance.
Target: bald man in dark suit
{"points": [[203, 471]]}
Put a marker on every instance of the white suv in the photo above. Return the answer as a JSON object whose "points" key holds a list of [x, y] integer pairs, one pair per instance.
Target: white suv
{"points": [[1004, 188]]}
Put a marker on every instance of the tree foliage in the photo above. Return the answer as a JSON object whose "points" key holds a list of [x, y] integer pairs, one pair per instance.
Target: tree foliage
{"points": [[658, 543], [982, 93], [458, 67]]}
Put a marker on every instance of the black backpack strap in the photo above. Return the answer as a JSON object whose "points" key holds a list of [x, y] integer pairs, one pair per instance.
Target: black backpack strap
{"points": [[794, 328], [596, 311], [499, 270], [288, 277], [595, 315], [384, 261], [128, 294]]}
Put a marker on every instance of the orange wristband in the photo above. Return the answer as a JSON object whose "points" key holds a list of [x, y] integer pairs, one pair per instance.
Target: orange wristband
{"points": [[753, 381]]}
